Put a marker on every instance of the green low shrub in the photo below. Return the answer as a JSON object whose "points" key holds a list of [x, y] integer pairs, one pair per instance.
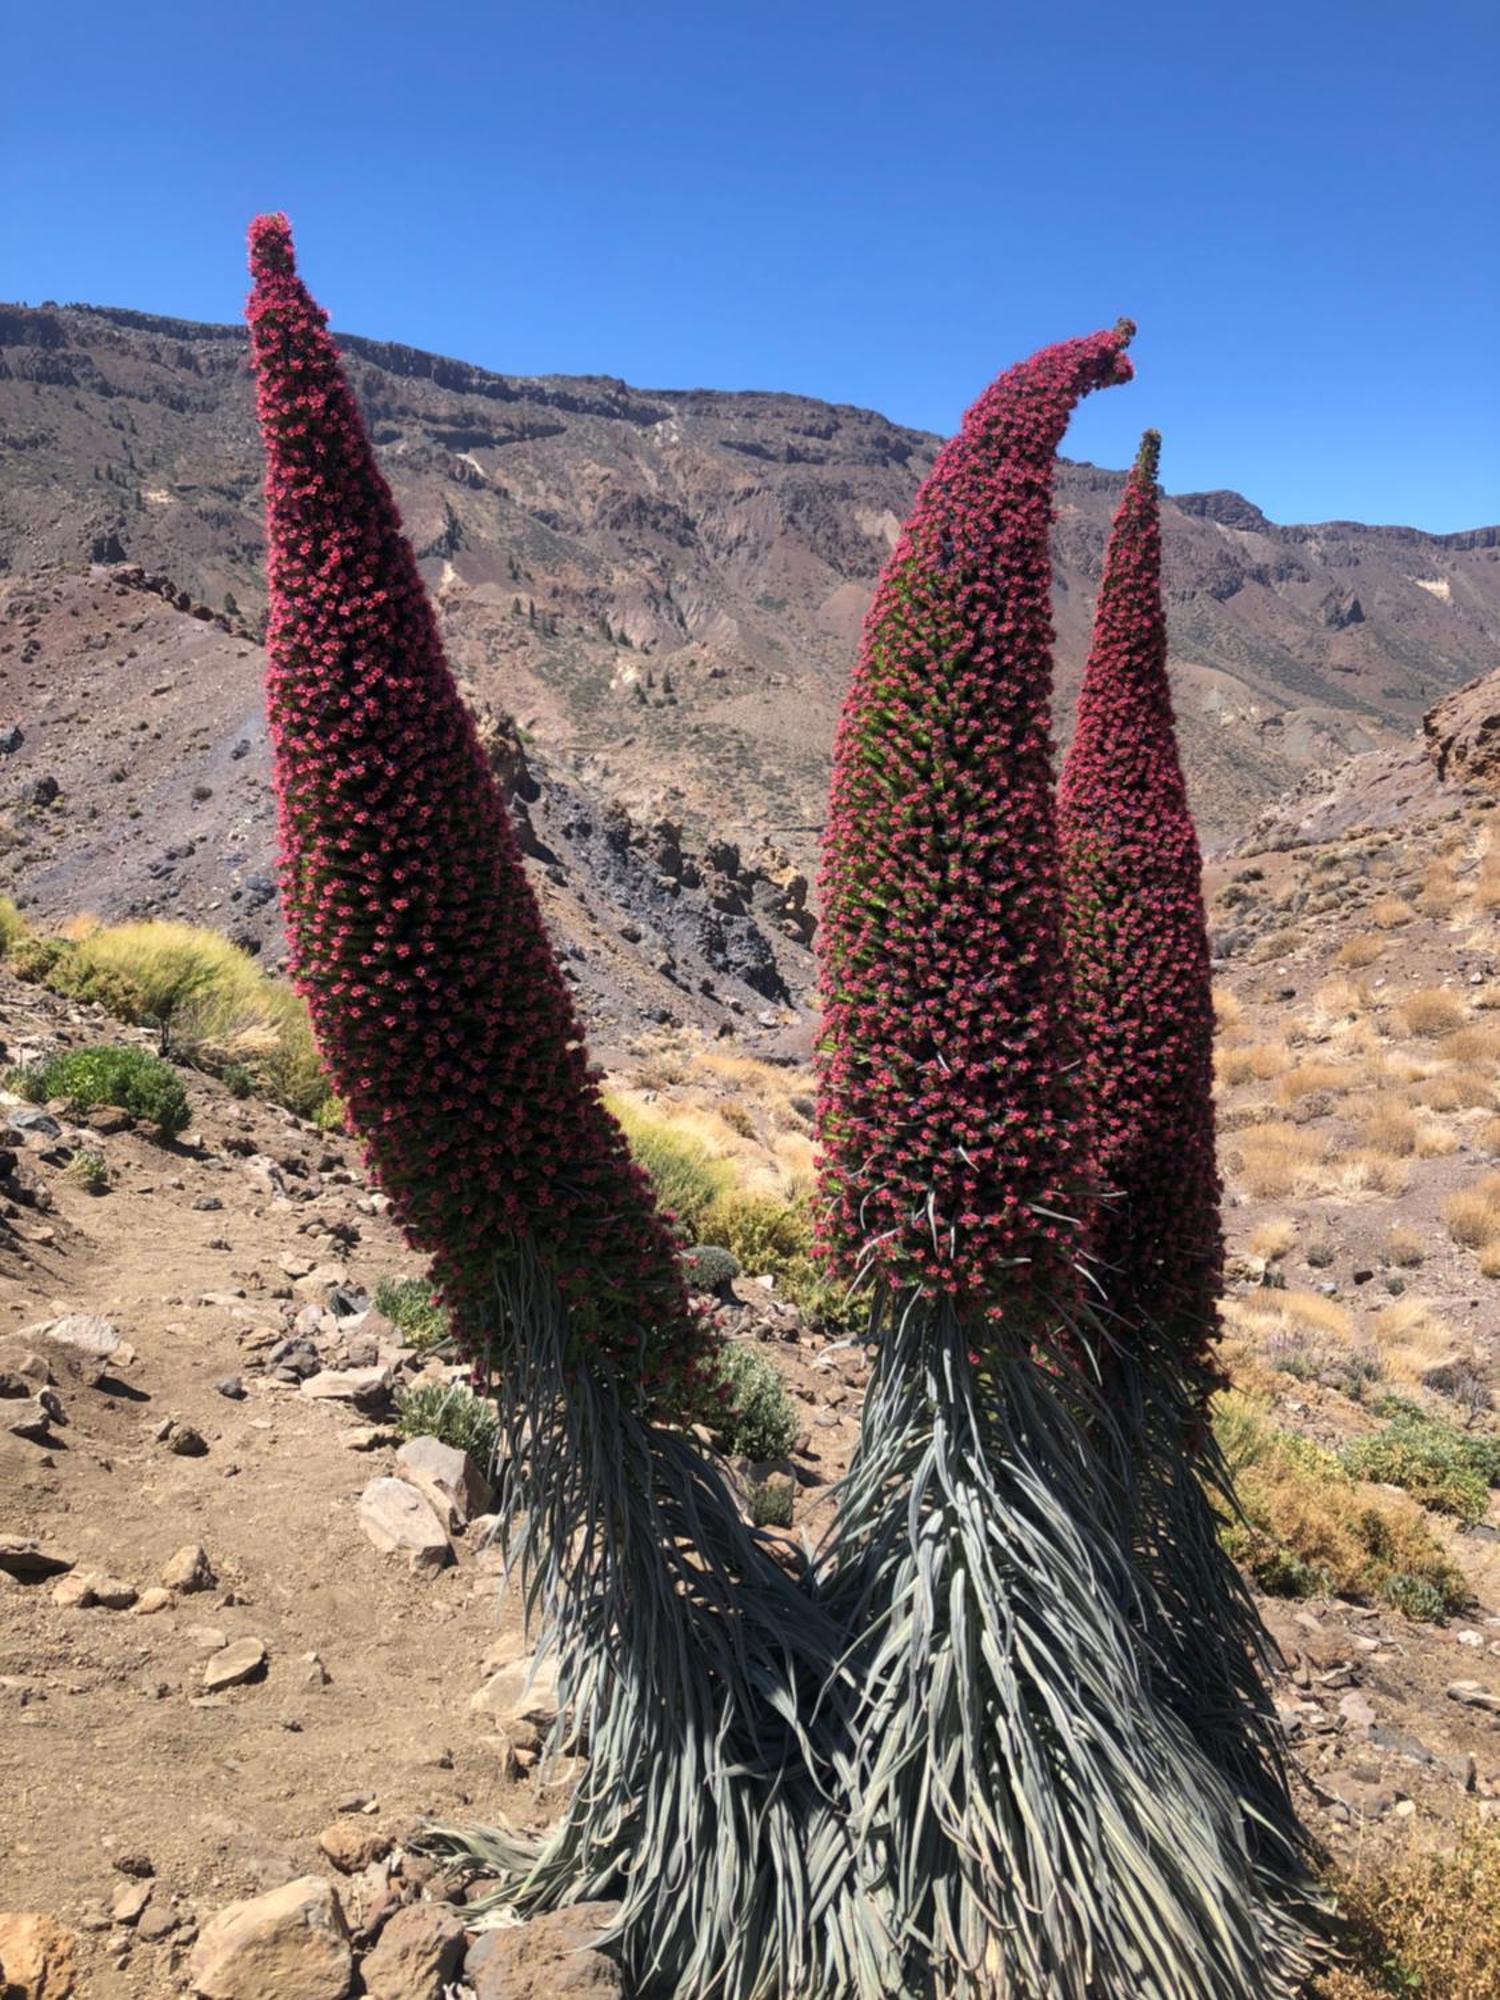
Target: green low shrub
{"points": [[211, 1004], [772, 1501], [1307, 1526], [452, 1413], [1438, 1464], [90, 1170], [411, 1305], [772, 1236], [687, 1174], [131, 1079], [13, 926], [759, 1420]]}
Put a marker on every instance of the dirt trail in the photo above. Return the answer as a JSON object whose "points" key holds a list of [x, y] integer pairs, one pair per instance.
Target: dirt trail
{"points": [[109, 1747]]}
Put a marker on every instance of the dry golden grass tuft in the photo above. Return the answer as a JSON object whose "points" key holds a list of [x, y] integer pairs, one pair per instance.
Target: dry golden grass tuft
{"points": [[1455, 1090], [1228, 1012], [1404, 1247], [1486, 886], [1487, 1138], [1440, 893], [1411, 1338], [1274, 1237], [1479, 1042], [1363, 1171], [1430, 1012], [1310, 1078], [1430, 1925], [1269, 1311], [1472, 1214], [1277, 1159], [1389, 913], [1341, 1001], [1277, 944], [1256, 1062], [1393, 1128], [1359, 951]]}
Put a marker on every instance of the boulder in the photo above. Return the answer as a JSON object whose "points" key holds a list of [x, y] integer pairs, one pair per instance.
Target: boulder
{"points": [[551, 1958], [418, 1954], [399, 1520], [527, 1689], [347, 1385], [290, 1944], [23, 1557], [453, 1484], [36, 1958], [189, 1570], [84, 1333], [352, 1844], [240, 1662]]}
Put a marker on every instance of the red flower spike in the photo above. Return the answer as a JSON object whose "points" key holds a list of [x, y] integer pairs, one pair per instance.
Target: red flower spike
{"points": [[1138, 953], [952, 1125], [416, 938]]}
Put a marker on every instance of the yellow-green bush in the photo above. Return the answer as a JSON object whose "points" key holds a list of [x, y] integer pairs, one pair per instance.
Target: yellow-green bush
{"points": [[688, 1175], [772, 1235], [1307, 1525], [1430, 1926], [12, 925], [212, 1005]]}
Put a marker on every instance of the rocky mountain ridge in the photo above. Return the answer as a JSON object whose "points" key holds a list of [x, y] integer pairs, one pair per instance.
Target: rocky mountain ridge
{"points": [[665, 587]]}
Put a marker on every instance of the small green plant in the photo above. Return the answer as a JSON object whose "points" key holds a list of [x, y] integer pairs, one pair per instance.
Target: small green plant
{"points": [[91, 1171], [132, 1079], [34, 959], [710, 1268], [774, 1237], [13, 926], [452, 1413], [1439, 1465], [330, 1115], [411, 1305], [772, 1501], [209, 1002], [759, 1421]]}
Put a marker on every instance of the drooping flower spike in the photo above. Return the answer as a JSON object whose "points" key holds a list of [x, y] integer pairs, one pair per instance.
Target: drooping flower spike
{"points": [[952, 1129], [1039, 1824]]}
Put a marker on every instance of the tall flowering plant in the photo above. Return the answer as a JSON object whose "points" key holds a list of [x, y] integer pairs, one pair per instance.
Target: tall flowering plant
{"points": [[1034, 1820], [687, 1655], [1138, 958], [951, 1124], [415, 936], [1137, 952]]}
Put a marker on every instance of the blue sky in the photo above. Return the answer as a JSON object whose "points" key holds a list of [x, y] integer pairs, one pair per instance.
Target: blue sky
{"points": [[873, 203]]}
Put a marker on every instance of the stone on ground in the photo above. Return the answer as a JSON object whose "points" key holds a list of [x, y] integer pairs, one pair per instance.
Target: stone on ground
{"points": [[453, 1484], [418, 1954], [290, 1944], [398, 1520]]}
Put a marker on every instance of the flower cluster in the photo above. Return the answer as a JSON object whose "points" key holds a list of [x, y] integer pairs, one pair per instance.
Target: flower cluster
{"points": [[416, 938], [1138, 950], [952, 1127]]}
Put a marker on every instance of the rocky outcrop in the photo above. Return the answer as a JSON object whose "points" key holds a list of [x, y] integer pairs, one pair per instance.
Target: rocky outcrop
{"points": [[1462, 734]]}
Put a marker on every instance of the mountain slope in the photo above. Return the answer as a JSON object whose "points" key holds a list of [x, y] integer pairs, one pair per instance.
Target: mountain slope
{"points": [[665, 587]]}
